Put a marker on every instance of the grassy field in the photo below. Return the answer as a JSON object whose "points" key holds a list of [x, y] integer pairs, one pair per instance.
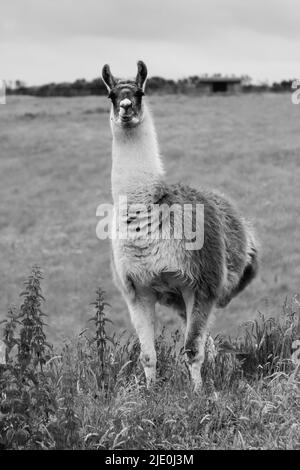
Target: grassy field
{"points": [[89, 393], [55, 170]]}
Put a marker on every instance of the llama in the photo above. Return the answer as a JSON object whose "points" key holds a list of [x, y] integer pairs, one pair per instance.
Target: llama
{"points": [[160, 269]]}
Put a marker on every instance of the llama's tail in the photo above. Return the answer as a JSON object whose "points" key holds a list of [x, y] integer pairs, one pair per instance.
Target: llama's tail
{"points": [[249, 273], [250, 270], [252, 265]]}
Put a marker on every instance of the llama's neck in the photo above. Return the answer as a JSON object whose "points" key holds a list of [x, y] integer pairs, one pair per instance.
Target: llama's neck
{"points": [[136, 162]]}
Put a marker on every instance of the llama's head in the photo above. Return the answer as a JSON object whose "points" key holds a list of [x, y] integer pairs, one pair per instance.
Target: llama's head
{"points": [[126, 96]]}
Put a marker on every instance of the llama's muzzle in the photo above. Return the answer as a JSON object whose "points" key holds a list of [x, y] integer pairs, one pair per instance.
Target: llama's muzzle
{"points": [[125, 105], [126, 111]]}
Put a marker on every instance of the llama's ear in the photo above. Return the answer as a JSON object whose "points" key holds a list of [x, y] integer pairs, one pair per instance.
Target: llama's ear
{"points": [[108, 77], [141, 74]]}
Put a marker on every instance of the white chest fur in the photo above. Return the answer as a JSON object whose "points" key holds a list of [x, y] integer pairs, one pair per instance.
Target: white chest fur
{"points": [[140, 255]]}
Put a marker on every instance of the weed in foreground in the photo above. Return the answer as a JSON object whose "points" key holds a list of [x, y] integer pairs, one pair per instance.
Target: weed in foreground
{"points": [[91, 394]]}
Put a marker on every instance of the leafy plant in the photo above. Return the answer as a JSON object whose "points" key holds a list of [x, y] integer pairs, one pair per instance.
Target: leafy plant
{"points": [[26, 398], [91, 394], [101, 337]]}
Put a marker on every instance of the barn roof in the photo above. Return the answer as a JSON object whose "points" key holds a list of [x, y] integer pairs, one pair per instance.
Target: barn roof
{"points": [[220, 79]]}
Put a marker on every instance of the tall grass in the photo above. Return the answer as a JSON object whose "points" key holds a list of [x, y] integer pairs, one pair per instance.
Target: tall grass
{"points": [[91, 393]]}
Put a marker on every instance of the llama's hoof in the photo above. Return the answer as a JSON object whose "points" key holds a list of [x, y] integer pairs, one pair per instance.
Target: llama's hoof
{"points": [[198, 391], [197, 386], [150, 378], [150, 384], [213, 397]]}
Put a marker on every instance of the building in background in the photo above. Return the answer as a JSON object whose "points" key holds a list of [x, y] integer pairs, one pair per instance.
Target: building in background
{"points": [[219, 84]]}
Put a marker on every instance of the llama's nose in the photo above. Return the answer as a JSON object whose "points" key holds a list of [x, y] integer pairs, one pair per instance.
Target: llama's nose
{"points": [[126, 104]]}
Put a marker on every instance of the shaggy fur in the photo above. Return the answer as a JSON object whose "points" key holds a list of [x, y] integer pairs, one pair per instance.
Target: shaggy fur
{"points": [[149, 270]]}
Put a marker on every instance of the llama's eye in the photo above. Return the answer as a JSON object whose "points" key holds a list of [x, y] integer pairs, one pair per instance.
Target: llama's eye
{"points": [[139, 93]]}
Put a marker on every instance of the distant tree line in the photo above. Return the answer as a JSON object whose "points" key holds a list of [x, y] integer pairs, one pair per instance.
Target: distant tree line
{"points": [[190, 85]]}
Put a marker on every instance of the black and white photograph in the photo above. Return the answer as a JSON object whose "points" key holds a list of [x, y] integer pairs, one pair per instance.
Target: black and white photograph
{"points": [[149, 228]]}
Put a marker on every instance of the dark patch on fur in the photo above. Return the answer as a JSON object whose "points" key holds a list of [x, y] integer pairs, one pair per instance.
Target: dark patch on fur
{"points": [[206, 264], [248, 275]]}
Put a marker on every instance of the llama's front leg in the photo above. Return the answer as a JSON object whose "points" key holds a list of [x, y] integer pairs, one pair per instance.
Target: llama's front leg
{"points": [[197, 313], [142, 313]]}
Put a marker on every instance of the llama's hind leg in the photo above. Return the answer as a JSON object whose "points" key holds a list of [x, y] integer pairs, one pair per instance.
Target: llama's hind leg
{"points": [[142, 314], [197, 313]]}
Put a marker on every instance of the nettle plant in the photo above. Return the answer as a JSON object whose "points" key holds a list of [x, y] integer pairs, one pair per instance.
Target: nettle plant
{"points": [[26, 398], [82, 395], [41, 391], [38, 390]]}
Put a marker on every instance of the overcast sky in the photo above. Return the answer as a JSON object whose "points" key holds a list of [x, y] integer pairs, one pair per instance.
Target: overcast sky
{"points": [[56, 40]]}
